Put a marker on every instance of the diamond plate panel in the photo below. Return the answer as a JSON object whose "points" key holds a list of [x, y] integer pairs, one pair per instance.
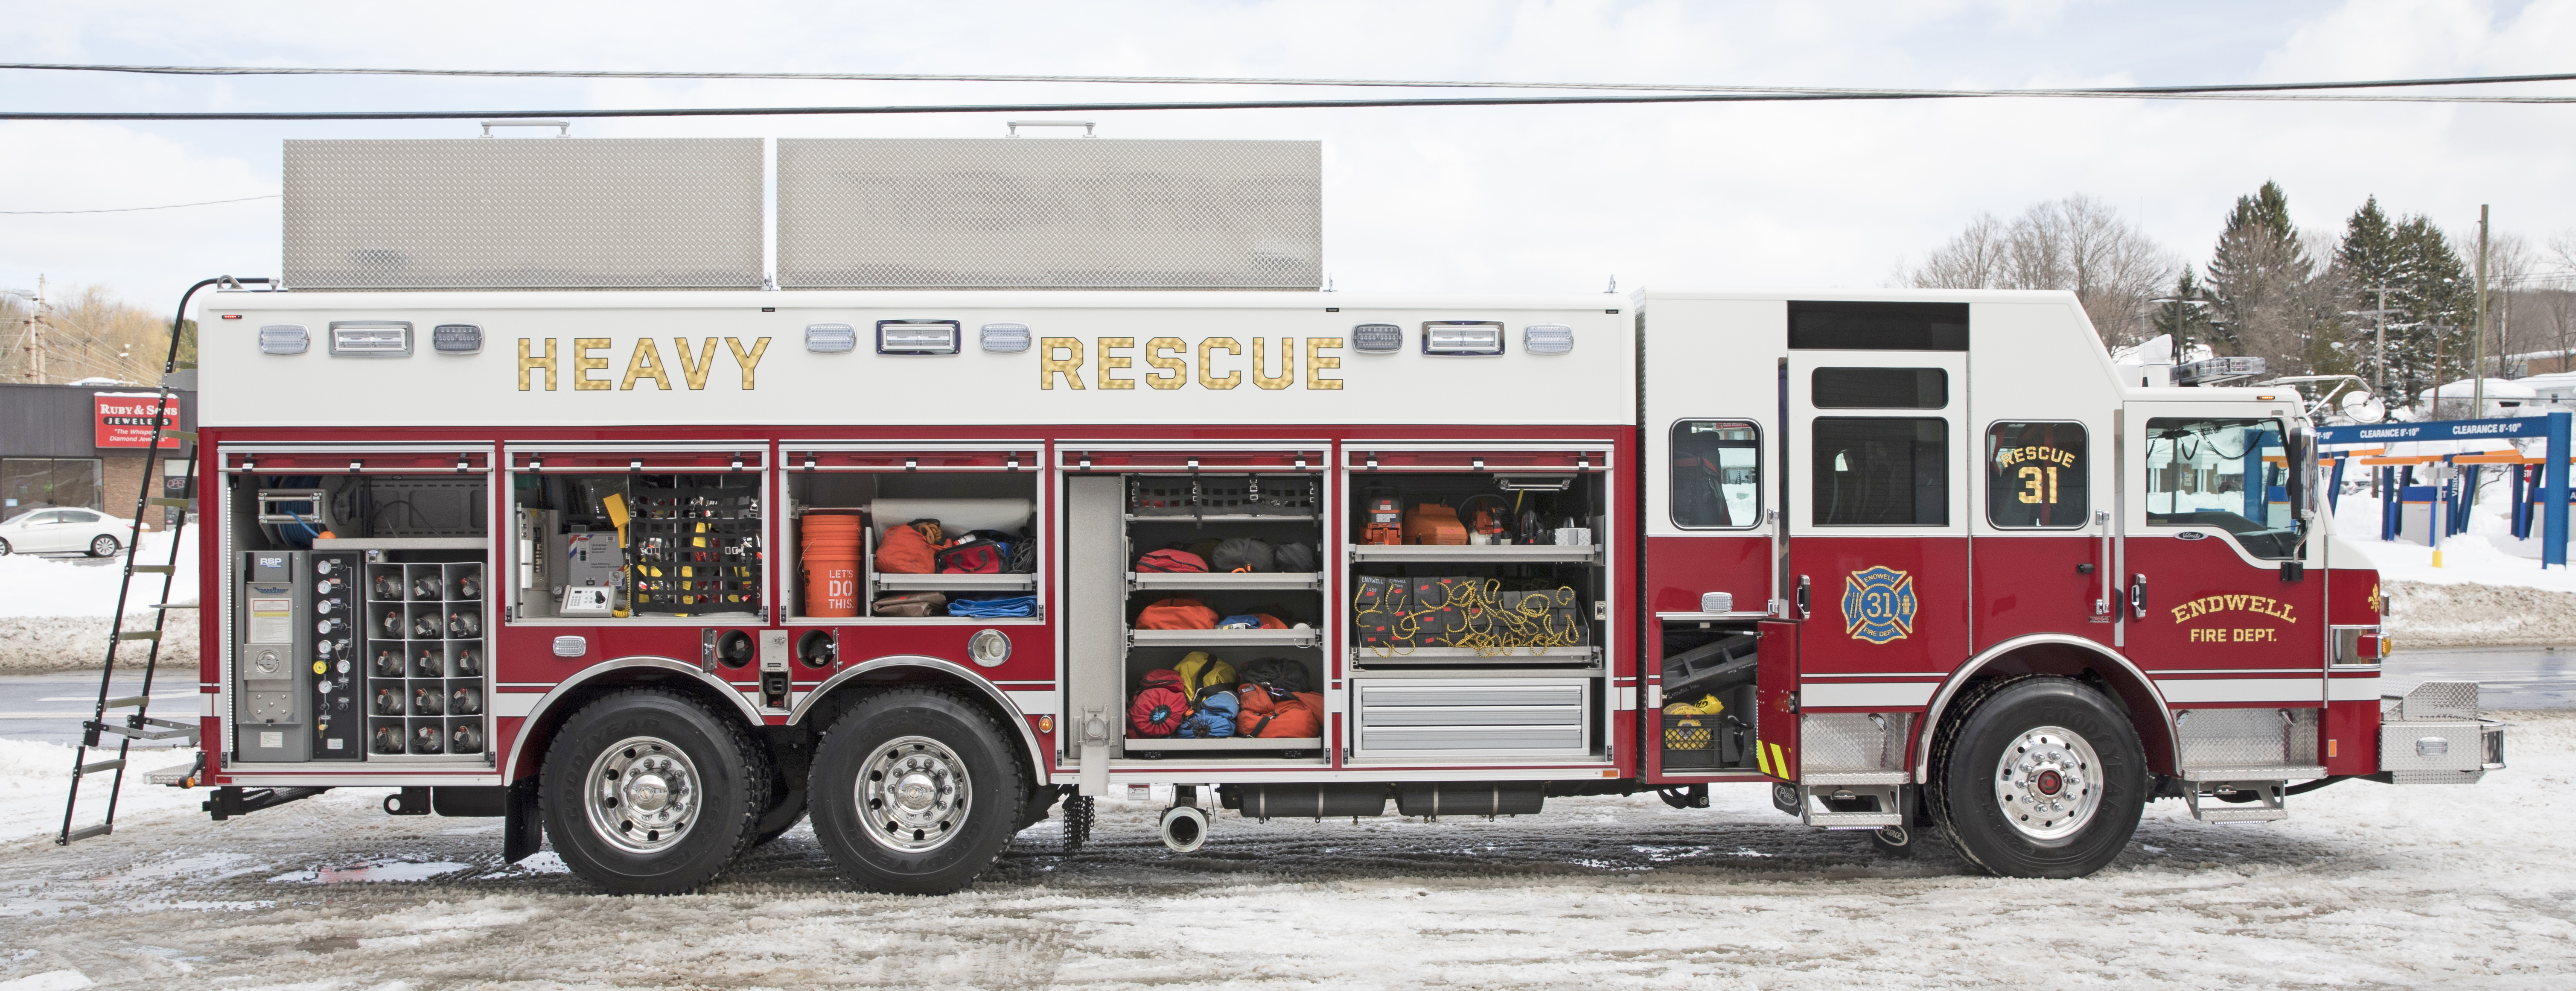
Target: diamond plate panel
{"points": [[1003, 213], [544, 213], [2247, 738], [1852, 741], [2441, 700]]}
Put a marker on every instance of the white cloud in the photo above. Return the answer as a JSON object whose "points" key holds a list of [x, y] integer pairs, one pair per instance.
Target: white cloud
{"points": [[1430, 199]]}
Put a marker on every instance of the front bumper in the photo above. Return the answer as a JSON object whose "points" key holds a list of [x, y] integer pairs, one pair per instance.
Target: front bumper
{"points": [[2435, 735]]}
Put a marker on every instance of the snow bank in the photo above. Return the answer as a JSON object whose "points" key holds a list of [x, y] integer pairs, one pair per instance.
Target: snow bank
{"points": [[35, 778], [53, 610]]}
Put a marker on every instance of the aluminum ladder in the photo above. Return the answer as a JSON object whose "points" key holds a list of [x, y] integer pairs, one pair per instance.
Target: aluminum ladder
{"points": [[136, 722]]}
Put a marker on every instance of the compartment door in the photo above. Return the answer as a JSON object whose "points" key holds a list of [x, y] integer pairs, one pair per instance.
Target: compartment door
{"points": [[1095, 610], [1775, 741]]}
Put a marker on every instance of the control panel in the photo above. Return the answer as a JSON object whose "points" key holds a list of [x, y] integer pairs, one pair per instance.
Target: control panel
{"points": [[339, 672], [272, 698]]}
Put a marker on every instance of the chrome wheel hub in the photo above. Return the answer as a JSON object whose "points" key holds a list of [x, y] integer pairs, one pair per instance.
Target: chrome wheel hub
{"points": [[912, 794], [642, 795], [2048, 784]]}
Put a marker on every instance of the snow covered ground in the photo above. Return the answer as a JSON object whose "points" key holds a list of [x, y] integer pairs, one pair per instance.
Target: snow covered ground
{"points": [[2365, 886]]}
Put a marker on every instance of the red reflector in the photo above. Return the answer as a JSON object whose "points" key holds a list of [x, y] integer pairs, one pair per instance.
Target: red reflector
{"points": [[232, 316], [2368, 646]]}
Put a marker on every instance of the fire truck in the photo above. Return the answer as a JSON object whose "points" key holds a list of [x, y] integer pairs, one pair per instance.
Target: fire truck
{"points": [[616, 566]]}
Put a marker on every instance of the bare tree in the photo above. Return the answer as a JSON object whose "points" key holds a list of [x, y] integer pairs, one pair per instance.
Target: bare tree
{"points": [[78, 333], [2077, 243]]}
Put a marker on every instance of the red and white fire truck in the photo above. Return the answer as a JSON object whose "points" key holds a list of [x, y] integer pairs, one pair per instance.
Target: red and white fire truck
{"points": [[1912, 560]]}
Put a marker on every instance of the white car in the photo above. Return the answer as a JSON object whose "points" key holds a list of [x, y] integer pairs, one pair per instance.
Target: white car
{"points": [[50, 531]]}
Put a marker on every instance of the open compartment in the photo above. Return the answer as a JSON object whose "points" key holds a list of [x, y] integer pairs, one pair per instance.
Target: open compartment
{"points": [[393, 545], [1477, 568], [972, 550], [637, 535], [1707, 720]]}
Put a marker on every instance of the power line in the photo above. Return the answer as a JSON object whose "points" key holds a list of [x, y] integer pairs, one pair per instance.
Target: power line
{"points": [[131, 209], [967, 108], [187, 70]]}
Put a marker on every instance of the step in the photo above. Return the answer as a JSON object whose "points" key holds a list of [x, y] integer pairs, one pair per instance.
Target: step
{"points": [[2262, 773], [168, 730], [105, 765], [1821, 779], [168, 501], [174, 605], [139, 635], [183, 436], [2249, 812], [1854, 820], [86, 832], [152, 569], [128, 702]]}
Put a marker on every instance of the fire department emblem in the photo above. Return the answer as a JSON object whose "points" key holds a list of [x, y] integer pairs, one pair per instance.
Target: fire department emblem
{"points": [[1878, 604]]}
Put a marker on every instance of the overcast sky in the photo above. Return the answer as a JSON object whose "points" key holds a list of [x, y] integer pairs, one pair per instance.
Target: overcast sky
{"points": [[1429, 199]]}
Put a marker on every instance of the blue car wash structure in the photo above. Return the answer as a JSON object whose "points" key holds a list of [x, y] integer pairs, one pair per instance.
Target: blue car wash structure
{"points": [[2550, 492]]}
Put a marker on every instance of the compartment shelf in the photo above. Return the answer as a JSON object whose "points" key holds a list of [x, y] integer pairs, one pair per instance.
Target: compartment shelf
{"points": [[1228, 743], [1223, 638], [942, 583], [1568, 655], [400, 543], [1471, 554], [1218, 581], [1223, 518]]}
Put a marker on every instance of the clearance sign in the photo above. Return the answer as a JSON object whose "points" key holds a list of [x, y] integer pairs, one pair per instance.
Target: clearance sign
{"points": [[125, 419]]}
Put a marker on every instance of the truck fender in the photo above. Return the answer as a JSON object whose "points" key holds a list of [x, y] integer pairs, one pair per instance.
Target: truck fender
{"points": [[2117, 669], [536, 713], [1038, 764]]}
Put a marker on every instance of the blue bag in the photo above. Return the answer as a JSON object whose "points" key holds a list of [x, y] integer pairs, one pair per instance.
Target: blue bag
{"points": [[1002, 608], [1214, 717]]}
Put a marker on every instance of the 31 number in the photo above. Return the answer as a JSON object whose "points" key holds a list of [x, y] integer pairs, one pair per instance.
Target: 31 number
{"points": [[2039, 485]]}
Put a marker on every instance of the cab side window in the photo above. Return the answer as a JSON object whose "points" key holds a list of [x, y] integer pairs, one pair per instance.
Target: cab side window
{"points": [[2223, 473], [1717, 474], [2035, 475], [1881, 471]]}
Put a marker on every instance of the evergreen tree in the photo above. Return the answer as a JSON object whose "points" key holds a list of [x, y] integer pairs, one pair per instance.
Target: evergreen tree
{"points": [[2438, 305], [2187, 323], [2365, 261], [2269, 299]]}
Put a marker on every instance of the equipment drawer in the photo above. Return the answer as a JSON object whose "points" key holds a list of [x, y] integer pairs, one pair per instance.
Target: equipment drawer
{"points": [[1486, 720]]}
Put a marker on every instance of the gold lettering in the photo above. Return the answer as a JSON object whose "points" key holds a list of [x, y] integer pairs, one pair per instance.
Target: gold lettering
{"points": [[1110, 362], [1317, 363], [1049, 366], [647, 360], [748, 361], [527, 363], [583, 363], [1207, 372], [694, 372], [2182, 613], [1287, 364], [1177, 366]]}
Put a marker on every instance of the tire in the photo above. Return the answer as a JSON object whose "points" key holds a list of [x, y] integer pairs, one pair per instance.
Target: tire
{"points": [[2038, 777], [103, 546], [961, 788], [4, 548], [700, 773]]}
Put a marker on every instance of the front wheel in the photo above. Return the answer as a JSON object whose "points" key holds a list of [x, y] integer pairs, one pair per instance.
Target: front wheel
{"points": [[645, 792], [4, 548], [915, 791], [102, 546], [2039, 777]]}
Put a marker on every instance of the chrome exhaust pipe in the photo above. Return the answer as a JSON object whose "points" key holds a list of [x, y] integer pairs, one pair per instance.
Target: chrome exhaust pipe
{"points": [[1185, 828]]}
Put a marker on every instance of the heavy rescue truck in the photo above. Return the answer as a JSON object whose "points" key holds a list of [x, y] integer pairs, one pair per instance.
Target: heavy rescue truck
{"points": [[1910, 560]]}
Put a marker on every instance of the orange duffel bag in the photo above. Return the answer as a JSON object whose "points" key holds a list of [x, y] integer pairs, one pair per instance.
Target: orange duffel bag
{"points": [[905, 551], [1296, 715], [1180, 612]]}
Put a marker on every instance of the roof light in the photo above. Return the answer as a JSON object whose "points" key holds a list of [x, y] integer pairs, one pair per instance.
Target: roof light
{"points": [[917, 337], [1547, 338], [2212, 371], [1462, 337], [831, 338], [371, 338], [456, 338], [1005, 338], [1377, 338], [284, 338]]}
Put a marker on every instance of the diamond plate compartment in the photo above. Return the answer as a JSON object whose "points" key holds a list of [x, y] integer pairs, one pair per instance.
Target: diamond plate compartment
{"points": [[2262, 737], [2441, 700], [543, 213], [1003, 213], [1852, 741]]}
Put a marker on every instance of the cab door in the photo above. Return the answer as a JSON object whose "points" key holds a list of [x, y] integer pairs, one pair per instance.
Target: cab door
{"points": [[1877, 563], [2224, 601]]}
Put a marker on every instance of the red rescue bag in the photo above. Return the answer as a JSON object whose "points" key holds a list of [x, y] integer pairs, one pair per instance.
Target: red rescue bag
{"points": [[1160, 707]]}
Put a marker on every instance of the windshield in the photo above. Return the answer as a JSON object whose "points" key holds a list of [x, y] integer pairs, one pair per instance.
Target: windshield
{"points": [[2198, 473]]}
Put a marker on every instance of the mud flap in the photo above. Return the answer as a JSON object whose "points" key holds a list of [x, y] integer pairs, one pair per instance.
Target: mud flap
{"points": [[522, 829]]}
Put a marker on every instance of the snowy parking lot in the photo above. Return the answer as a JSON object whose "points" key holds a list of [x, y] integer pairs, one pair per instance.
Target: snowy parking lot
{"points": [[2365, 886]]}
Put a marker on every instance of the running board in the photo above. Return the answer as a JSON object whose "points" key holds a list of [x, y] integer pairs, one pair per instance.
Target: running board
{"points": [[2266, 805], [2252, 773]]}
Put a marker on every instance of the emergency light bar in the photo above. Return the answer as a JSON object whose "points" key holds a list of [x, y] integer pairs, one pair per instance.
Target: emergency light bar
{"points": [[1005, 338], [2211, 371], [917, 336], [371, 338], [284, 338], [1547, 338], [831, 338], [1465, 337], [1377, 338]]}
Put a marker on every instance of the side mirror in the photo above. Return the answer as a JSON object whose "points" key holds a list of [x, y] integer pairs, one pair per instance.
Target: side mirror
{"points": [[2300, 451]]}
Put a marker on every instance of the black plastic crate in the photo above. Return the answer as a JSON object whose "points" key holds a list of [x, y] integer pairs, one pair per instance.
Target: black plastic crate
{"points": [[1690, 741]]}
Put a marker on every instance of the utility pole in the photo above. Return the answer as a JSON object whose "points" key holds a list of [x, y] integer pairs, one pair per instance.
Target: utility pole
{"points": [[2478, 379]]}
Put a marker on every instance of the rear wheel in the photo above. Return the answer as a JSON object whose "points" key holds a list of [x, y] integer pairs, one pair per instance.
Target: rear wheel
{"points": [[645, 792], [915, 791], [2039, 777], [4, 548], [102, 545]]}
